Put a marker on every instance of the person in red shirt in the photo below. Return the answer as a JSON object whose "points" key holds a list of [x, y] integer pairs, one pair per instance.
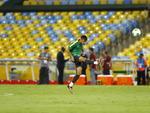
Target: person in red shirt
{"points": [[106, 63], [92, 66]]}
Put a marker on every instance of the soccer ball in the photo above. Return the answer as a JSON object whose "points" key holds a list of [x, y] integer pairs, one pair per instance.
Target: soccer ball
{"points": [[136, 32]]}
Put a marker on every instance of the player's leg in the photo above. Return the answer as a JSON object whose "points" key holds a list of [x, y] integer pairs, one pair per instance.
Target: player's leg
{"points": [[41, 81], [76, 77], [91, 62], [60, 77], [143, 77], [83, 59], [139, 77], [78, 73]]}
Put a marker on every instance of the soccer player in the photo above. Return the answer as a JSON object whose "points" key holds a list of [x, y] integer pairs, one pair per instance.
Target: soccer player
{"points": [[76, 50]]}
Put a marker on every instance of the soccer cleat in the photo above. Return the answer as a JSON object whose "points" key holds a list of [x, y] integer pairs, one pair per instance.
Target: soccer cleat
{"points": [[70, 89], [96, 62]]}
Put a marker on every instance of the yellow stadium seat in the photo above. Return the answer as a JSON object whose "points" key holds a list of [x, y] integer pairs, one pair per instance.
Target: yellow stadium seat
{"points": [[136, 1], [103, 2], [119, 1], [19, 36], [137, 47], [56, 2], [26, 3]]}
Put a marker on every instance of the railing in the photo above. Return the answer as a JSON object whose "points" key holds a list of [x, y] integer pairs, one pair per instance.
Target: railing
{"points": [[18, 62], [29, 69]]}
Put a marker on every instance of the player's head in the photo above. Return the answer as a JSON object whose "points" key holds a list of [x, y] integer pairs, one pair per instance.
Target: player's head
{"points": [[46, 49], [62, 49], [141, 55], [83, 39], [105, 53], [91, 50]]}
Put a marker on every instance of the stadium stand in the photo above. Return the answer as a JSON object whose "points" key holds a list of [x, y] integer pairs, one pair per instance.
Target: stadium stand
{"points": [[26, 26], [140, 46], [23, 34], [2, 2], [82, 2]]}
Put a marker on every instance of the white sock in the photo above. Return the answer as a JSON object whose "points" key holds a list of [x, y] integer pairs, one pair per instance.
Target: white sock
{"points": [[95, 62], [71, 84]]}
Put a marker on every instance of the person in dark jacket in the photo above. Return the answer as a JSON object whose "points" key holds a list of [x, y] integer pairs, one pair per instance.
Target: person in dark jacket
{"points": [[61, 64]]}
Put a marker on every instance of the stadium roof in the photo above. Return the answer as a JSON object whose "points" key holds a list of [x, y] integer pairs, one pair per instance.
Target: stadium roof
{"points": [[17, 6]]}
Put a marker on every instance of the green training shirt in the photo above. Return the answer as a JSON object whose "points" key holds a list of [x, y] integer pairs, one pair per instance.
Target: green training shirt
{"points": [[76, 48]]}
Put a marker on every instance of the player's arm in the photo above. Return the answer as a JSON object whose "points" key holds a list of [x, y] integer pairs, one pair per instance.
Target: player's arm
{"points": [[72, 46], [136, 64], [49, 58], [110, 63], [41, 58], [145, 63], [70, 49], [69, 53]]}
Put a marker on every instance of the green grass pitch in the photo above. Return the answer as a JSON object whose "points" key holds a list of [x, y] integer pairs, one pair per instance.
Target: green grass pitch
{"points": [[86, 99]]}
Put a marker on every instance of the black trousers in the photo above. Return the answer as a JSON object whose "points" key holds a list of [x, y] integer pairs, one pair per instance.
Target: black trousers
{"points": [[44, 75], [61, 74], [84, 66], [106, 72], [141, 79]]}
